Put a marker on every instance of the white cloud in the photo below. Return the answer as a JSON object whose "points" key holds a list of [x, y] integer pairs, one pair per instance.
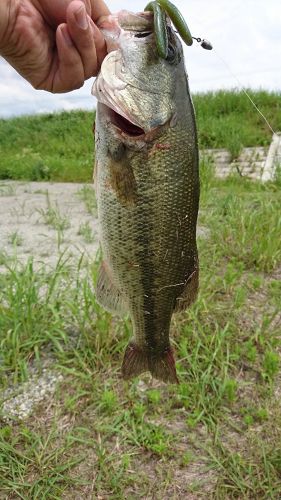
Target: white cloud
{"points": [[245, 34]]}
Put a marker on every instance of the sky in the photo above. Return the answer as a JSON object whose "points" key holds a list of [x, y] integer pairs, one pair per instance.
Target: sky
{"points": [[245, 34]]}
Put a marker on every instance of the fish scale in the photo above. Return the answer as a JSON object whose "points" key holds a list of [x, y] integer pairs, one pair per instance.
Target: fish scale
{"points": [[147, 190]]}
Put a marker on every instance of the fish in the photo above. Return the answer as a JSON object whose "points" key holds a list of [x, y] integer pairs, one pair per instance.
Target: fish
{"points": [[147, 188]]}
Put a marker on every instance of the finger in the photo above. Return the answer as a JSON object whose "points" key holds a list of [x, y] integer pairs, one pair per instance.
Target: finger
{"points": [[69, 74], [99, 9], [100, 43], [83, 36], [54, 11]]}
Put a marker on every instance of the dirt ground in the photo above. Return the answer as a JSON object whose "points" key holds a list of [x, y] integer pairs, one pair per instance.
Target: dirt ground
{"points": [[43, 220]]}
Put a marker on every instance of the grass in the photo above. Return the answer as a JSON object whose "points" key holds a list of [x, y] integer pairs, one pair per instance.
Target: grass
{"points": [[48, 147], [15, 239], [87, 195], [217, 434], [59, 147], [7, 190], [86, 232], [228, 120], [52, 217]]}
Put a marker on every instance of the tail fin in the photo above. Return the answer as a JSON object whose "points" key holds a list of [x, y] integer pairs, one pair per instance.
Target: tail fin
{"points": [[161, 366]]}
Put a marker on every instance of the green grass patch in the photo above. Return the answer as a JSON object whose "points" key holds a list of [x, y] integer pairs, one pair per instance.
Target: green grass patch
{"points": [[60, 147], [57, 147], [217, 434], [228, 120]]}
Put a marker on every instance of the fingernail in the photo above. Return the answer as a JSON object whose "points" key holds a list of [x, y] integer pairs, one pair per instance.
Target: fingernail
{"points": [[82, 18]]}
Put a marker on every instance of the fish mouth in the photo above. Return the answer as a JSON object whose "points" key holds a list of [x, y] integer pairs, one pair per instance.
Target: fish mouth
{"points": [[122, 124], [125, 126], [129, 131], [113, 93]]}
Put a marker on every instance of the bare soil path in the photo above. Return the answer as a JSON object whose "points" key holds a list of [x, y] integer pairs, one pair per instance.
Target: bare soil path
{"points": [[43, 220]]}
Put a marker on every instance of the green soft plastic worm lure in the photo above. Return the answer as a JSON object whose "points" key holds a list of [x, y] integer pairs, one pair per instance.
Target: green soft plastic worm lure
{"points": [[160, 8], [160, 28]]}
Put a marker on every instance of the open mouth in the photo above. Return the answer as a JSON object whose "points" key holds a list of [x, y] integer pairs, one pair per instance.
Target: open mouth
{"points": [[125, 125]]}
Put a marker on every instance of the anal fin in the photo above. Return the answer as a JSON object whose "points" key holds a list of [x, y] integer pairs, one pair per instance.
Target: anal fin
{"points": [[107, 294]]}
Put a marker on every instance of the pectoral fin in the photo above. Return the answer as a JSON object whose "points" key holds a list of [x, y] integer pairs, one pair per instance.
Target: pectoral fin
{"points": [[122, 177], [189, 293], [123, 182], [107, 294]]}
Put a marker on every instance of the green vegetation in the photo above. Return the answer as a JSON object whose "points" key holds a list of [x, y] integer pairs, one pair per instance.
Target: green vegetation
{"points": [[87, 195], [228, 119], [15, 239], [51, 216], [59, 147], [86, 231], [217, 434]]}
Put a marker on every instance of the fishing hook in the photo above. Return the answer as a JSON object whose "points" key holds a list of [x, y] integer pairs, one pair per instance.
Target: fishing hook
{"points": [[205, 44]]}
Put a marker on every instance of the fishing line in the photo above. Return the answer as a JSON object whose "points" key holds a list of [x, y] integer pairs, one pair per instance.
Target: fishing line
{"points": [[206, 45], [245, 91]]}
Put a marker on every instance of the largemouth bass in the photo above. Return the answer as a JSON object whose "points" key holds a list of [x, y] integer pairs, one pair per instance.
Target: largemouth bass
{"points": [[147, 188]]}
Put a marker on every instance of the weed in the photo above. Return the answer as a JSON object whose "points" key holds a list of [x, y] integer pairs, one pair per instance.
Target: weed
{"points": [[271, 364], [15, 239], [253, 225], [108, 401], [254, 477], [87, 195], [7, 189], [40, 171], [53, 218], [4, 258], [86, 232]]}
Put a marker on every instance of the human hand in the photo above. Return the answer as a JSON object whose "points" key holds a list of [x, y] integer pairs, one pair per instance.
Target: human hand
{"points": [[53, 44]]}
